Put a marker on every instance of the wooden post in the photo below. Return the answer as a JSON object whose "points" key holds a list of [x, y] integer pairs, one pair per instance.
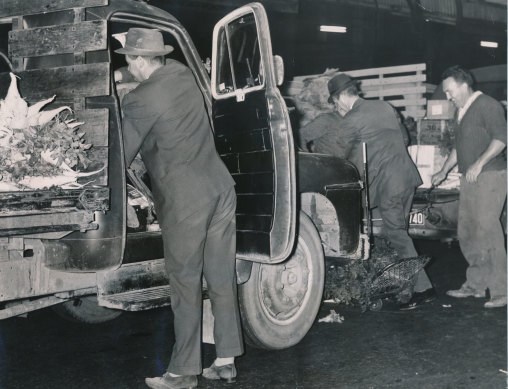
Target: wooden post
{"points": [[17, 62]]}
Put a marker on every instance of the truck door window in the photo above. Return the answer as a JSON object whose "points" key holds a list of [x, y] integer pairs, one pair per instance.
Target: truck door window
{"points": [[239, 61]]}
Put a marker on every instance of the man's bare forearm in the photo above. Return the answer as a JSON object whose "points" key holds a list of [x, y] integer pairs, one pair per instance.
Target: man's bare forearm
{"points": [[450, 162], [495, 147]]}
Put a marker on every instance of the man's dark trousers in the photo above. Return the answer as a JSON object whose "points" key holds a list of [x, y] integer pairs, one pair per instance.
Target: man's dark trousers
{"points": [[395, 212], [480, 232], [203, 243]]}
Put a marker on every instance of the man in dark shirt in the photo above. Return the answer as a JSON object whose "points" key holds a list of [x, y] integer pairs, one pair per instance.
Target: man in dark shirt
{"points": [[392, 175], [166, 121], [480, 138]]}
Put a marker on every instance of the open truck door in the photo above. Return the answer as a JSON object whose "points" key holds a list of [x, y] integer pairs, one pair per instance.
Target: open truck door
{"points": [[253, 134], [281, 298]]}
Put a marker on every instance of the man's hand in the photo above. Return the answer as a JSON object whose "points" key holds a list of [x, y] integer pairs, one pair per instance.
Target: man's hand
{"points": [[118, 76], [438, 178], [495, 147], [473, 172]]}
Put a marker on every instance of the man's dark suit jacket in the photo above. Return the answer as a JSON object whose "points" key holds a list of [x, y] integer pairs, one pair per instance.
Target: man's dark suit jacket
{"points": [[390, 168], [166, 120]]}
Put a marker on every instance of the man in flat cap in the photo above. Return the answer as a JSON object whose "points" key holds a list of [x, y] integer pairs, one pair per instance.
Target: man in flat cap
{"points": [[392, 175], [165, 119]]}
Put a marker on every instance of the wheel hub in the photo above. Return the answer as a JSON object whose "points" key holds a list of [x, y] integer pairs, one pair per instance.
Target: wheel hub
{"points": [[284, 287]]}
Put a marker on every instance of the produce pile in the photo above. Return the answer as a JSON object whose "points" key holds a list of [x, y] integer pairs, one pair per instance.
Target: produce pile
{"points": [[351, 283], [312, 99], [39, 149]]}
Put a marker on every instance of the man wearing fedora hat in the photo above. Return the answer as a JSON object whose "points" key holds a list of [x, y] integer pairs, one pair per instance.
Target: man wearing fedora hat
{"points": [[392, 175], [165, 119]]}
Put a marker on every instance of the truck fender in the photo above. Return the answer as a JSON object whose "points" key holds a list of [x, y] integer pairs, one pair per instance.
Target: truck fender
{"points": [[243, 270]]}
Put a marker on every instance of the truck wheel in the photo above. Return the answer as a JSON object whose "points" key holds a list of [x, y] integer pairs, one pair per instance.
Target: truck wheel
{"points": [[279, 302], [85, 310]]}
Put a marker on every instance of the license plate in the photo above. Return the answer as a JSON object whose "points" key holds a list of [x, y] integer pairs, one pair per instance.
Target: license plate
{"points": [[416, 218]]}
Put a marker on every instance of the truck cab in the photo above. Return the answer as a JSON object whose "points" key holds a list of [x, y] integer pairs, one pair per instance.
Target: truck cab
{"points": [[101, 251]]}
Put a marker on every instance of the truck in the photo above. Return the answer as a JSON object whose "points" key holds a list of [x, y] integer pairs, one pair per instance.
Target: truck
{"points": [[94, 251]]}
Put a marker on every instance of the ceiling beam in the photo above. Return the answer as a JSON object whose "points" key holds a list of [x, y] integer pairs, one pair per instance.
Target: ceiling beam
{"points": [[284, 6]]}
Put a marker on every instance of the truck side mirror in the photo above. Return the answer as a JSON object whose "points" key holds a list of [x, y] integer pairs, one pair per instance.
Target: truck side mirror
{"points": [[278, 66]]}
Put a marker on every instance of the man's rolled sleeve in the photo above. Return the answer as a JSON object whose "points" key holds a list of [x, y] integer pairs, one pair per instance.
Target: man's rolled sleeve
{"points": [[496, 123]]}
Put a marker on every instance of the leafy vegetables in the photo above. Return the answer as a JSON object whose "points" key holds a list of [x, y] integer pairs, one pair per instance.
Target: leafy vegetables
{"points": [[35, 143]]}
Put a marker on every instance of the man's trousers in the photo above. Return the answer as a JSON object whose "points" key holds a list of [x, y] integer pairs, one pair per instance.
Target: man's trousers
{"points": [[203, 244], [395, 214], [480, 231]]}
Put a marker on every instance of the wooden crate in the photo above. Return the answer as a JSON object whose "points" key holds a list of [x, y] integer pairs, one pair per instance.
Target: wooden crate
{"points": [[48, 48], [403, 86], [51, 39]]}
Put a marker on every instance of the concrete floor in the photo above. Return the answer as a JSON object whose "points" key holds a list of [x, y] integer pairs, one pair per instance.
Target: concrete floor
{"points": [[435, 346]]}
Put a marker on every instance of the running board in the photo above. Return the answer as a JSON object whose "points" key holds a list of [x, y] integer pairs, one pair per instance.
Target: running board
{"points": [[137, 300], [141, 300]]}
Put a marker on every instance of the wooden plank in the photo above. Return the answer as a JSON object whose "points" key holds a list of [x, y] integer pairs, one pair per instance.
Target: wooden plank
{"points": [[394, 86], [36, 224], [95, 125], [430, 88], [393, 80], [58, 218], [66, 82], [53, 200], [394, 92], [417, 114], [31, 230], [79, 15], [385, 70], [30, 7], [60, 39], [367, 72], [295, 87], [408, 102]]}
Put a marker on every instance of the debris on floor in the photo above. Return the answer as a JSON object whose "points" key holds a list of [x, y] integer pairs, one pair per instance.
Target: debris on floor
{"points": [[333, 317], [351, 283]]}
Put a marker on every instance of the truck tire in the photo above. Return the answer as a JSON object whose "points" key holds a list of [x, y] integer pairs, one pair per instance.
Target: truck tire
{"points": [[279, 302], [85, 309]]}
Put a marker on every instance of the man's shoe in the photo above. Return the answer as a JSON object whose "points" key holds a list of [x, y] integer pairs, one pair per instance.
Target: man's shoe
{"points": [[465, 291], [496, 302], [419, 298], [226, 372], [169, 382]]}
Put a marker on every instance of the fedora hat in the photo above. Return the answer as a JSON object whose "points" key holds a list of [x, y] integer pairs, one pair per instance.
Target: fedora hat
{"points": [[144, 41], [338, 83]]}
